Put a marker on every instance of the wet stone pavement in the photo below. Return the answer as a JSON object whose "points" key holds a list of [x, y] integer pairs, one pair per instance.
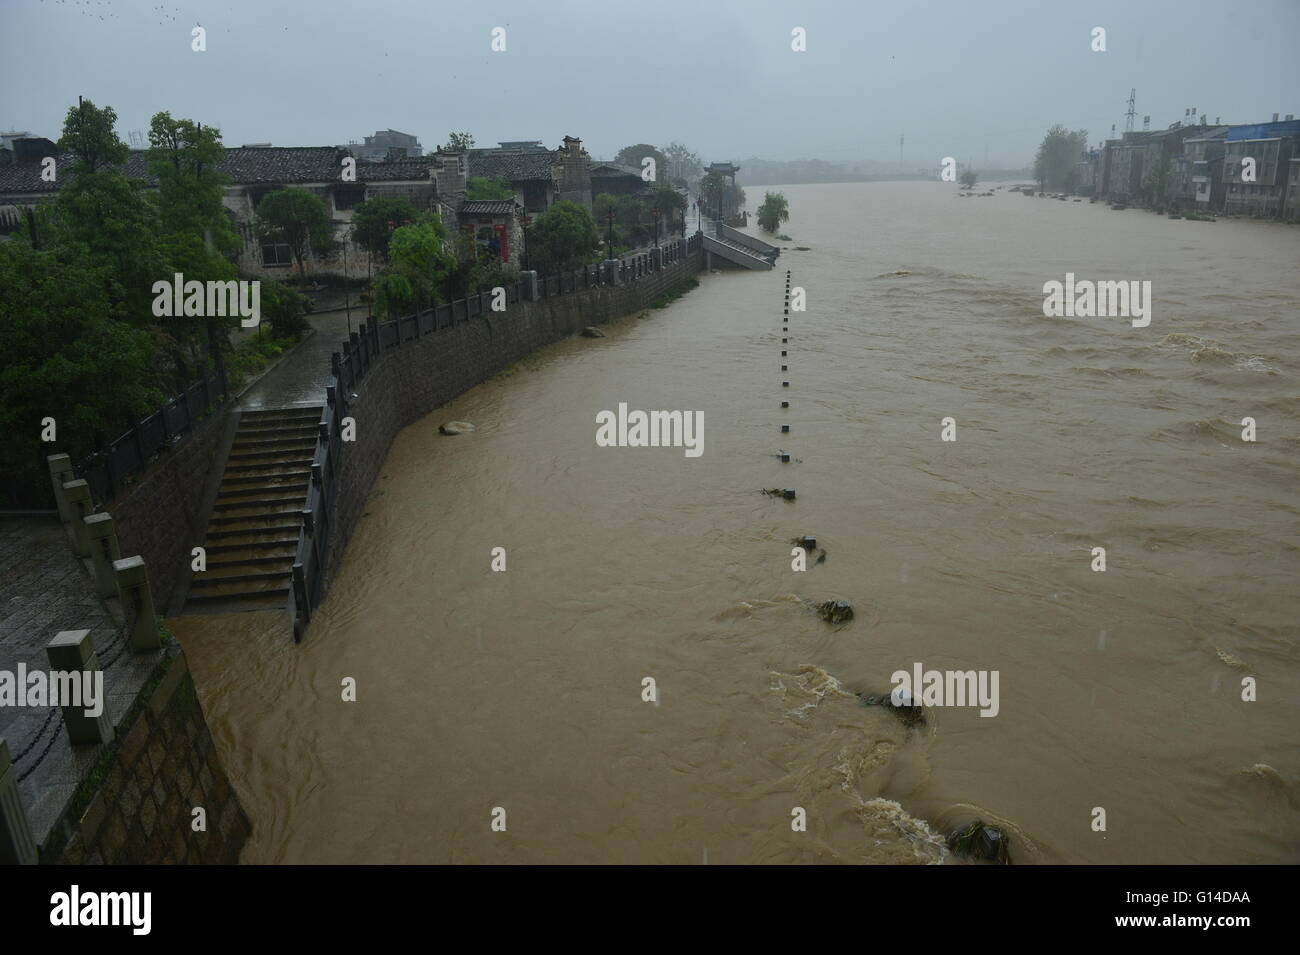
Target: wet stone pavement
{"points": [[45, 589], [301, 378]]}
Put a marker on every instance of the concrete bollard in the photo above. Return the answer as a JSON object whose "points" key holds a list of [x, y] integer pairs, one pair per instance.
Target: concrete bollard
{"points": [[529, 279], [137, 603], [17, 847], [103, 551], [61, 471], [79, 503], [611, 271], [656, 259], [72, 651]]}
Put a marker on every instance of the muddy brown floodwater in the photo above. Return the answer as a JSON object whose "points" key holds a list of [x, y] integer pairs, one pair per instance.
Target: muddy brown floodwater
{"points": [[1119, 690]]}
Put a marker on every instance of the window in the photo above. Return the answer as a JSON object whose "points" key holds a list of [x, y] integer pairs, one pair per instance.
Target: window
{"points": [[276, 253], [345, 199]]}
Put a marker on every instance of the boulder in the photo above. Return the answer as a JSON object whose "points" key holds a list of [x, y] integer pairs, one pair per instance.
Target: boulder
{"points": [[981, 842], [456, 427], [835, 611], [591, 331]]}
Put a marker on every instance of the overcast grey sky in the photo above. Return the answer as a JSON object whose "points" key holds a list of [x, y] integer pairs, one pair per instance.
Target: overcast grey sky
{"points": [[957, 77]]}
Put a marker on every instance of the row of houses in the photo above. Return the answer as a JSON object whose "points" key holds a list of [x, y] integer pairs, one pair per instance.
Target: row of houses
{"points": [[434, 182], [1247, 170]]}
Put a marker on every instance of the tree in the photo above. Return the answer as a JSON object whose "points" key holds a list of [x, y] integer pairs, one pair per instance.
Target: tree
{"points": [[62, 355], [459, 142], [374, 221], [773, 211], [561, 238], [298, 219], [1057, 155], [968, 178], [196, 229], [89, 134], [418, 266], [634, 155], [481, 187], [684, 166]]}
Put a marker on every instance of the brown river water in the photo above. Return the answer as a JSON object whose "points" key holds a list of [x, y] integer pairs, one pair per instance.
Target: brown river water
{"points": [[1118, 689]]}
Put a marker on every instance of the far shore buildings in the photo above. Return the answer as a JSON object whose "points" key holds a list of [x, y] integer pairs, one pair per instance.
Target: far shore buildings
{"points": [[1246, 170], [434, 182]]}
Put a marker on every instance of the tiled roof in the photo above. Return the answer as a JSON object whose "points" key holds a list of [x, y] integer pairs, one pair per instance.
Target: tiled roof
{"points": [[244, 164], [402, 169], [489, 207], [512, 165], [610, 169]]}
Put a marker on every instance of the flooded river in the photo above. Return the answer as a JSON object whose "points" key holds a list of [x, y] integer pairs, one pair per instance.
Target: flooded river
{"points": [[1119, 690]]}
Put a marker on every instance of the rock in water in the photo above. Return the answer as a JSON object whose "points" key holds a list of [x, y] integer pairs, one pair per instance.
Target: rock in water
{"points": [[835, 611], [456, 427], [591, 331], [978, 841]]}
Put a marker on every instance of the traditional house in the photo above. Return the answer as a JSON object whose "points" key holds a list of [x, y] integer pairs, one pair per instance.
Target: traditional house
{"points": [[434, 183], [608, 178], [539, 176]]}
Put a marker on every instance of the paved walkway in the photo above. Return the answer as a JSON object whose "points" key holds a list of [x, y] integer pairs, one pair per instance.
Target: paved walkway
{"points": [[46, 589], [301, 378]]}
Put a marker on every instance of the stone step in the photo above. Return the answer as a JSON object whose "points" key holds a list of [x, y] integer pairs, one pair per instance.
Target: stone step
{"points": [[254, 530], [260, 513], [284, 449], [266, 586], [251, 546], [244, 483], [289, 494], [254, 468], [242, 572]]}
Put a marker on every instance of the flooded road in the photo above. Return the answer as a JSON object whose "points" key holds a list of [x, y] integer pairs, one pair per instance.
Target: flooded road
{"points": [[1119, 690]]}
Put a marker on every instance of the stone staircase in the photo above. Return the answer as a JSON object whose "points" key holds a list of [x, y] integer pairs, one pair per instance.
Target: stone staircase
{"points": [[253, 531], [720, 243]]}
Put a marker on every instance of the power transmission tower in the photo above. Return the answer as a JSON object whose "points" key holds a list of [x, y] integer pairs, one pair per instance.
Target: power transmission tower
{"points": [[1132, 111]]}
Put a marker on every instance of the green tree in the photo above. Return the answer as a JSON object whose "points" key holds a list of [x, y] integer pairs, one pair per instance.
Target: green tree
{"points": [[968, 178], [482, 187], [284, 309], [684, 166], [90, 135], [298, 219], [459, 142], [184, 157], [773, 211], [1057, 155], [375, 220], [418, 267], [635, 155], [561, 238], [62, 355]]}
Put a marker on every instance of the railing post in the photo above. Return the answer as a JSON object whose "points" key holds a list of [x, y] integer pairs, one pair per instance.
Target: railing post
{"points": [[530, 285], [103, 551], [61, 471], [17, 847], [137, 603], [78, 494], [72, 651]]}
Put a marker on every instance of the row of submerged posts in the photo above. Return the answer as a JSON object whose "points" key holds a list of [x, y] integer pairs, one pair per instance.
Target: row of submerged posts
{"points": [[71, 653], [365, 347]]}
